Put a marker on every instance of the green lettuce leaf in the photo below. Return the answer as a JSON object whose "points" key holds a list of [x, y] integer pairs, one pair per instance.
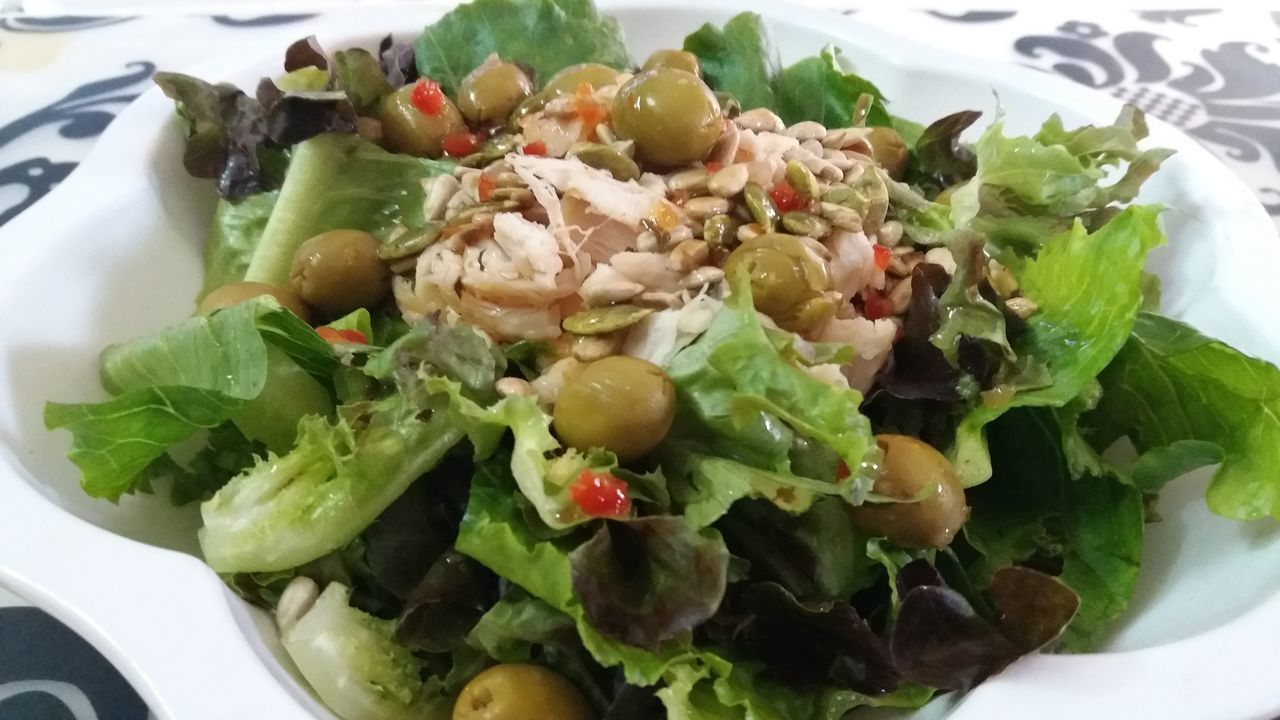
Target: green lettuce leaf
{"points": [[738, 398], [1186, 400], [705, 486], [1057, 173], [196, 375], [1084, 318], [1033, 508], [233, 237], [825, 89], [343, 473], [334, 181], [546, 35], [737, 59], [353, 663]]}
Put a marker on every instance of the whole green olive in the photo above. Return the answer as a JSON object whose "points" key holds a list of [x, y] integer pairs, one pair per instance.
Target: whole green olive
{"points": [[236, 293], [678, 59], [516, 691], [618, 403], [933, 508], [890, 151], [566, 81], [789, 283], [406, 129], [339, 271], [672, 116], [493, 90]]}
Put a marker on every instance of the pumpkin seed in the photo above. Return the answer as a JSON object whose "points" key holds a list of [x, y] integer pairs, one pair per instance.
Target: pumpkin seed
{"points": [[841, 195], [760, 206], [719, 230], [861, 109], [802, 223], [474, 213], [728, 180], [801, 178], [410, 243], [607, 158], [597, 321], [841, 217], [521, 195]]}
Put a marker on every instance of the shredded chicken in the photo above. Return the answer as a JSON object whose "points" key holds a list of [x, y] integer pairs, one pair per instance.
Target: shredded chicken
{"points": [[853, 262], [658, 337], [872, 341]]}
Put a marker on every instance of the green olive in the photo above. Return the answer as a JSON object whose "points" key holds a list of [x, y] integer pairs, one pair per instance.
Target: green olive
{"points": [[618, 403], [672, 116], [933, 507], [236, 293], [493, 90], [520, 692], [889, 150], [566, 81], [788, 281], [678, 59], [339, 271], [406, 129]]}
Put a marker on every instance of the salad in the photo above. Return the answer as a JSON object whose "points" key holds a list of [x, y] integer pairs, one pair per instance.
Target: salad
{"points": [[529, 383]]}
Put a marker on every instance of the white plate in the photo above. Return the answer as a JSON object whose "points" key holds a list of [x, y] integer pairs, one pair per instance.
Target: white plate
{"points": [[115, 253]]}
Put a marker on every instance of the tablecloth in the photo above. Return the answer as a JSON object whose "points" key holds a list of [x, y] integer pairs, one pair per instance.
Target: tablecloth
{"points": [[1214, 74]]}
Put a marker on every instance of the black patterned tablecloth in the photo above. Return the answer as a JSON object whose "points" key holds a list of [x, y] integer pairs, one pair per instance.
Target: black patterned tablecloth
{"points": [[1214, 74]]}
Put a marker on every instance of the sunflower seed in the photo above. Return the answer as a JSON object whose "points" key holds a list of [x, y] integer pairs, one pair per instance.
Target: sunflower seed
{"points": [[807, 130], [702, 276], [823, 169], [690, 181], [1023, 307], [1001, 279], [749, 231], [890, 233], [658, 300], [298, 597], [941, 256], [841, 138], [900, 296], [760, 120], [438, 191], [509, 386], [728, 180], [841, 217], [688, 255], [700, 208]]}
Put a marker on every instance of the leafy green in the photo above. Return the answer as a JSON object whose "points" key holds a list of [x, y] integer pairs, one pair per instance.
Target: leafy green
{"points": [[196, 375], [650, 579], [1084, 319], [334, 181], [224, 129], [825, 90], [739, 399], [226, 452], [546, 35], [1057, 173], [1186, 400], [705, 486], [1033, 508], [356, 72], [292, 508], [542, 475], [233, 237], [737, 59], [352, 662]]}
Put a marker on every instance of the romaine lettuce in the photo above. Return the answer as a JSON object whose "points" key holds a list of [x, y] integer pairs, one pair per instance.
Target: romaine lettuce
{"points": [[196, 375]]}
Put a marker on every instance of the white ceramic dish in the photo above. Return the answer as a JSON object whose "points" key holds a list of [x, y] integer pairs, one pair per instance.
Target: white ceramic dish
{"points": [[114, 254]]}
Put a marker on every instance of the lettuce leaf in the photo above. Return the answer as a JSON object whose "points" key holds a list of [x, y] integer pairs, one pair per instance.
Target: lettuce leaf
{"points": [[1033, 508], [1057, 173], [737, 59], [738, 398], [649, 580], [353, 663], [1084, 318], [824, 89], [196, 375], [546, 35], [334, 181], [343, 473], [233, 237], [1186, 400]]}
